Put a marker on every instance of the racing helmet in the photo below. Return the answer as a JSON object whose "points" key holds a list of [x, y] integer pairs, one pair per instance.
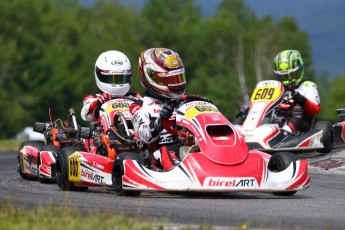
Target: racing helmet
{"points": [[113, 72], [162, 73], [288, 68]]}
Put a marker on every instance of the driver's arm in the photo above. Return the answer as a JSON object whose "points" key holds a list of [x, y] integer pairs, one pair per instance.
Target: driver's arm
{"points": [[308, 98], [86, 112], [145, 120]]}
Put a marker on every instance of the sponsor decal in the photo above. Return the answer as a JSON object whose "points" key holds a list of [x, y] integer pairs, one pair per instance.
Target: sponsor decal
{"points": [[223, 182], [166, 138], [134, 108], [92, 176], [117, 62], [96, 165], [222, 138], [247, 136]]}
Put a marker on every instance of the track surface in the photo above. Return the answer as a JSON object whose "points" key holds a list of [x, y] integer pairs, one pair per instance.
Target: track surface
{"points": [[322, 206]]}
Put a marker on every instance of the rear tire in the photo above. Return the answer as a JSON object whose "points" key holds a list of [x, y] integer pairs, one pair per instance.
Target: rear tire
{"points": [[279, 162], [61, 169], [36, 144], [118, 172], [327, 136]]}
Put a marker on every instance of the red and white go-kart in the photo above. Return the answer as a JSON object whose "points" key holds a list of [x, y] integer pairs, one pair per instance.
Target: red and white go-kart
{"points": [[214, 158], [261, 125]]}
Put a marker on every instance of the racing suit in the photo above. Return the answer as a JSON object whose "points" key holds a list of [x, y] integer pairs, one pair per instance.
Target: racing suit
{"points": [[300, 106], [164, 147]]}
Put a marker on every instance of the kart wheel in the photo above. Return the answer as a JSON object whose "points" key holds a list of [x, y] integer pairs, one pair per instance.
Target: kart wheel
{"points": [[279, 162], [118, 172], [36, 144], [50, 148], [61, 169], [327, 136]]}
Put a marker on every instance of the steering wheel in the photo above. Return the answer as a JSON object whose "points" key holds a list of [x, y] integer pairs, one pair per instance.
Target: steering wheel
{"points": [[167, 124]]}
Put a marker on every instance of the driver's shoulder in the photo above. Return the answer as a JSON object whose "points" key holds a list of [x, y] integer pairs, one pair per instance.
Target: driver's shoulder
{"points": [[308, 84]]}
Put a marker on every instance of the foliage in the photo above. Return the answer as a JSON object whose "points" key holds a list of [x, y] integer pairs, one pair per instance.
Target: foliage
{"points": [[49, 47], [10, 145], [333, 99]]}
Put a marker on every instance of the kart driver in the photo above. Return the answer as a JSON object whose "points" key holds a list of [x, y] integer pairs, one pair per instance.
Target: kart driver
{"points": [[162, 74], [113, 73], [301, 100]]}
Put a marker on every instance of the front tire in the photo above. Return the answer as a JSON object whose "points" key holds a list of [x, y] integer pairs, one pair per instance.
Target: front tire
{"points": [[279, 162], [118, 172], [327, 135], [36, 144], [61, 169]]}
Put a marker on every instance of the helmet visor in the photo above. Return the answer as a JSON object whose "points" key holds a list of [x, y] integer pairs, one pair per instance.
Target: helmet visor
{"points": [[172, 79], [287, 75], [114, 78], [175, 83]]}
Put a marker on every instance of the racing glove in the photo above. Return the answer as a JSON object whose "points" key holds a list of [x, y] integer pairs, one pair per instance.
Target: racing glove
{"points": [[95, 104], [298, 98], [104, 97], [166, 112]]}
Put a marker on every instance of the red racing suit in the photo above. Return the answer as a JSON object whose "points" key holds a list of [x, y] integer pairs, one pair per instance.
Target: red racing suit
{"points": [[300, 113], [164, 147]]}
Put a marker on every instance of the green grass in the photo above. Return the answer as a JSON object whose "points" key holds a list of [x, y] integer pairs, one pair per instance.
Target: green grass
{"points": [[10, 145], [66, 218], [56, 218]]}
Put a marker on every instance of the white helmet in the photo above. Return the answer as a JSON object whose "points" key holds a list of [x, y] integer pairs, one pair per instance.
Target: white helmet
{"points": [[113, 72]]}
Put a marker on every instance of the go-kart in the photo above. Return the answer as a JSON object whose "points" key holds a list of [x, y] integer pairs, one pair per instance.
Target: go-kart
{"points": [[112, 133], [339, 127], [36, 158], [261, 127], [214, 158]]}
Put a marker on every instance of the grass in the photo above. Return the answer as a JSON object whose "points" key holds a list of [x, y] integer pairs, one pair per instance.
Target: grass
{"points": [[10, 145], [66, 218], [56, 218]]}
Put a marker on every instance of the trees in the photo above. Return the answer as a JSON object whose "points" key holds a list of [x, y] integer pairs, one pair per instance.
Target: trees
{"points": [[332, 97], [49, 47]]}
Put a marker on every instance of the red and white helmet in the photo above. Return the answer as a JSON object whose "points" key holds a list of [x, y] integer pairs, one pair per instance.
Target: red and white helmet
{"points": [[113, 72], [162, 73]]}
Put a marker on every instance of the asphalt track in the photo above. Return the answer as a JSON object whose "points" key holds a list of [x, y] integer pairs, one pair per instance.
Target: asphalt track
{"points": [[321, 206]]}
